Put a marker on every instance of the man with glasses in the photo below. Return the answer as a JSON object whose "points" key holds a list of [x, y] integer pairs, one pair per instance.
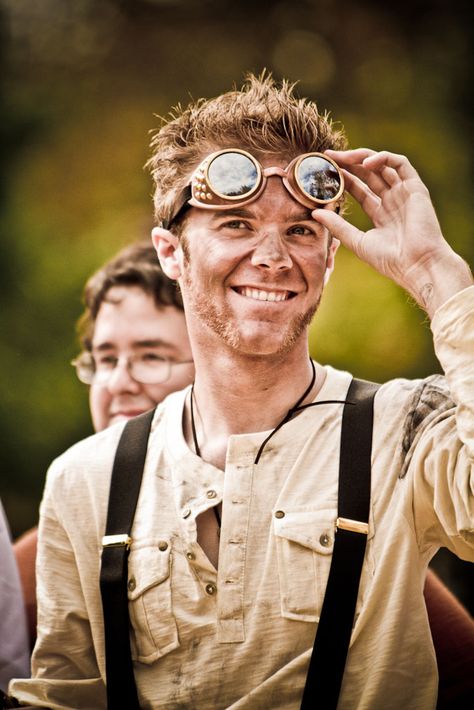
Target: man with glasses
{"points": [[133, 332], [237, 517], [135, 351]]}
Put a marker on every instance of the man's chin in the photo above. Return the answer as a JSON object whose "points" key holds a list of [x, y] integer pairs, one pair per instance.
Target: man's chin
{"points": [[123, 416], [268, 339]]}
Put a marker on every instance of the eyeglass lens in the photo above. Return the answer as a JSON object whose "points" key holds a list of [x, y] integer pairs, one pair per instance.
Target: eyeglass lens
{"points": [[149, 371], [232, 175]]}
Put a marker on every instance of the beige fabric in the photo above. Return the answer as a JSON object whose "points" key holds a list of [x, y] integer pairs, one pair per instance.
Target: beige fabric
{"points": [[241, 638]]}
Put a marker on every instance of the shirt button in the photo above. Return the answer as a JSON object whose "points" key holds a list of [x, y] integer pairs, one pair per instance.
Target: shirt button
{"points": [[279, 514], [190, 555], [325, 540], [186, 513], [211, 494], [162, 545], [211, 588], [131, 584]]}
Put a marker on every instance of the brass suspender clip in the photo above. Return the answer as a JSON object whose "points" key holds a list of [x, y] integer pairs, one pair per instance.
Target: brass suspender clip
{"points": [[352, 525], [117, 540]]}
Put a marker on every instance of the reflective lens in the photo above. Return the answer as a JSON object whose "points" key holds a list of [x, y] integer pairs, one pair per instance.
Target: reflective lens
{"points": [[318, 178], [233, 175]]}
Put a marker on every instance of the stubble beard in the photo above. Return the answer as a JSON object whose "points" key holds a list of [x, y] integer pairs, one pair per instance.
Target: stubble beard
{"points": [[221, 321]]}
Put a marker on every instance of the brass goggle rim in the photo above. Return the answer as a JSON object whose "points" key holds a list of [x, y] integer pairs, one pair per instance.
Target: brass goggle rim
{"points": [[205, 167], [329, 160]]}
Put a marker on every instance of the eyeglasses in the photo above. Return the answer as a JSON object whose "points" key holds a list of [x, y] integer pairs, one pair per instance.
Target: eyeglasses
{"points": [[148, 369], [235, 177]]}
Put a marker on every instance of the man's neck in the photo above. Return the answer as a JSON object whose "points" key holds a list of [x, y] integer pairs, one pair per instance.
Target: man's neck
{"points": [[239, 394]]}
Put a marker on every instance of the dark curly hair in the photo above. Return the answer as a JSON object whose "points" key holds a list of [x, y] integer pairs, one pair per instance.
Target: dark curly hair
{"points": [[135, 265]]}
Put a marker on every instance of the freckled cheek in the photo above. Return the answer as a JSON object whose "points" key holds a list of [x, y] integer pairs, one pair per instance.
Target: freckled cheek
{"points": [[217, 262], [315, 261]]}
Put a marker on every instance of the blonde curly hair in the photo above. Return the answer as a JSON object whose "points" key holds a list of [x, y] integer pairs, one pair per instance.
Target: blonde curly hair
{"points": [[262, 117]]}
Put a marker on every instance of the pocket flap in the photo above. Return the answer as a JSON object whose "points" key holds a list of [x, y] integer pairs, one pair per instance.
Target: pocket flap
{"points": [[314, 529], [147, 567], [311, 528]]}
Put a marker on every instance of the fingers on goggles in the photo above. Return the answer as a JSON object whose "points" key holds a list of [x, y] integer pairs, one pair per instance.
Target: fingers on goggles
{"points": [[234, 177]]}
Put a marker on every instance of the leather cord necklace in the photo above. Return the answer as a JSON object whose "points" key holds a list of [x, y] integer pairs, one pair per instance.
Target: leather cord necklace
{"points": [[297, 407], [283, 421]]}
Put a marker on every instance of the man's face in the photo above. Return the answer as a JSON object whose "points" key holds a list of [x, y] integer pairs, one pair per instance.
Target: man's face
{"points": [[253, 275], [130, 324]]}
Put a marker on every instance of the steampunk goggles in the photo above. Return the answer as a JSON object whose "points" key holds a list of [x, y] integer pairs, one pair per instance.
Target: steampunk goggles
{"points": [[233, 177]]}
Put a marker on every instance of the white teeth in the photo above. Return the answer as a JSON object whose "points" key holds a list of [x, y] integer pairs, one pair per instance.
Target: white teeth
{"points": [[258, 295]]}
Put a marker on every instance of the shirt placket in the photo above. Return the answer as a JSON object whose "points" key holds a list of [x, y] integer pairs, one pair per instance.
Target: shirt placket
{"points": [[233, 545]]}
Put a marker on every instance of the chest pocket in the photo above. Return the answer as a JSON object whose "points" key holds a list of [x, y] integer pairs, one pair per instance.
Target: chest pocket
{"points": [[304, 545], [154, 632]]}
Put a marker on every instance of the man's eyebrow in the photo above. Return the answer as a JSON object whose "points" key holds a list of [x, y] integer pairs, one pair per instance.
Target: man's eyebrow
{"points": [[304, 216], [152, 343], [242, 212], [233, 212]]}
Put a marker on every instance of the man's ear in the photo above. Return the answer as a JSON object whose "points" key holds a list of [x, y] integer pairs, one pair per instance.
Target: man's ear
{"points": [[333, 247], [169, 252]]}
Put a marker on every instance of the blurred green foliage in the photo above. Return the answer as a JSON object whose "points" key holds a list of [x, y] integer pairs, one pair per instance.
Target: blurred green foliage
{"points": [[81, 85]]}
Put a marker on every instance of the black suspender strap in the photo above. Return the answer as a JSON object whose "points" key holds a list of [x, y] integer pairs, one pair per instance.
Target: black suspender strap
{"points": [[124, 490], [326, 668], [329, 655]]}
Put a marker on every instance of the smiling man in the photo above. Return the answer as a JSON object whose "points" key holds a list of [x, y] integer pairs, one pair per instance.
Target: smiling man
{"points": [[235, 527]]}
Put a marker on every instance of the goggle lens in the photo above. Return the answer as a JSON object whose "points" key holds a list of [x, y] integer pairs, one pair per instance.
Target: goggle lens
{"points": [[233, 175], [318, 178]]}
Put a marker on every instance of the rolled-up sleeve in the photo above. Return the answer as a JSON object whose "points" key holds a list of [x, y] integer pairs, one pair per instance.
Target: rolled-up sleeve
{"points": [[442, 459]]}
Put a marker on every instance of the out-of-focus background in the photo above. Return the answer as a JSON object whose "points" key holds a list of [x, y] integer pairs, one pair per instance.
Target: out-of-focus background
{"points": [[81, 86]]}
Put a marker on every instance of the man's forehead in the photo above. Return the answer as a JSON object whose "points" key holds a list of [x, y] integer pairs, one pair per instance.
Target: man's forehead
{"points": [[121, 299]]}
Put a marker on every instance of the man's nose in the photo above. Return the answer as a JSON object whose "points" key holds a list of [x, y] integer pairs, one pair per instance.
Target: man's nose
{"points": [[121, 380], [271, 252]]}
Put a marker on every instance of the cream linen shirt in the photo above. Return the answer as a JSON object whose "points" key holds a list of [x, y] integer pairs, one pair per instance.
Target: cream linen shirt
{"points": [[241, 637]]}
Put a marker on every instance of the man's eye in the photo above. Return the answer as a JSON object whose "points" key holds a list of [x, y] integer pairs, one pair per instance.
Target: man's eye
{"points": [[300, 230], [235, 224], [151, 357], [106, 362]]}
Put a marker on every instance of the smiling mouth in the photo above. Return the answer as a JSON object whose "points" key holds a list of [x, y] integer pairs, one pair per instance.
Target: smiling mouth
{"points": [[259, 295]]}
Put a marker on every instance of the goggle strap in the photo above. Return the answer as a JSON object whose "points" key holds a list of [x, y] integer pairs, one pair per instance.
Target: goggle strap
{"points": [[184, 197]]}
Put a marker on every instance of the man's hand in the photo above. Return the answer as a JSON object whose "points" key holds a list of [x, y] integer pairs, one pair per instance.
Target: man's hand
{"points": [[406, 243]]}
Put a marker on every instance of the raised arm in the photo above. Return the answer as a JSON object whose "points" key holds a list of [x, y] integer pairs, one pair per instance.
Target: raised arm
{"points": [[406, 243]]}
